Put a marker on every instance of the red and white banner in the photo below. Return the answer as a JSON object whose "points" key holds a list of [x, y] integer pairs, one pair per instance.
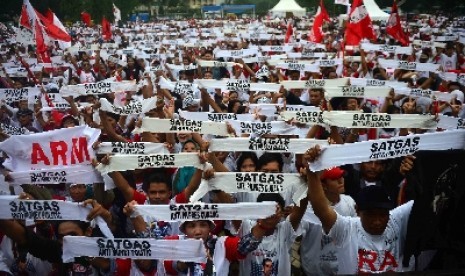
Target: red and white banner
{"points": [[64, 148]]}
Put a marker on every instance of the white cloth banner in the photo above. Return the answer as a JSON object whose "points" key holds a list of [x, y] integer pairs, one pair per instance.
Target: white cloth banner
{"points": [[374, 82], [182, 88], [394, 49], [357, 91], [272, 109], [329, 62], [51, 149], [307, 54], [429, 44], [254, 182], [207, 211], [11, 95], [447, 122], [299, 66], [264, 58], [265, 86], [131, 162], [278, 144], [314, 83], [378, 120], [225, 84], [353, 58], [24, 36], [445, 38], [313, 45], [182, 126], [132, 148], [76, 174], [313, 117], [425, 93], [103, 87], [181, 67], [337, 155], [133, 107], [236, 53], [215, 117], [12, 130], [188, 250], [260, 128], [16, 72], [48, 210], [210, 63], [275, 48], [406, 65]]}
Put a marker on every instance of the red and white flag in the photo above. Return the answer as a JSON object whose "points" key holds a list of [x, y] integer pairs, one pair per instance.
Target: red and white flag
{"points": [[106, 29], [316, 33], [359, 25], [394, 27], [289, 33], [30, 20]]}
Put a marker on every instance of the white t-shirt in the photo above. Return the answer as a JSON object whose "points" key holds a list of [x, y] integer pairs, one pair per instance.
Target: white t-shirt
{"points": [[86, 77], [448, 63], [319, 255], [275, 247], [370, 253]]}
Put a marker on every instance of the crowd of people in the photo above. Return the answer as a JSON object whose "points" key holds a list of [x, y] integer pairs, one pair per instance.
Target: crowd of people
{"points": [[220, 83]]}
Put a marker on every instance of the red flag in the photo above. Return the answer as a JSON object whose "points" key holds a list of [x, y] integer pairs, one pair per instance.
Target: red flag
{"points": [[24, 19], [85, 17], [53, 30], [359, 25], [29, 18], [106, 29], [289, 33], [40, 41], [394, 28], [316, 33], [49, 15]]}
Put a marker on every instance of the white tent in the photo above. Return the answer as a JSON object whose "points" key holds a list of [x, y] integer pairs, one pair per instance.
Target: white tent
{"points": [[374, 11], [287, 6]]}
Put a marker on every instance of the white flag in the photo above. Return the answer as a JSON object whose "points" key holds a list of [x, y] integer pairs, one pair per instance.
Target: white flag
{"points": [[116, 13]]}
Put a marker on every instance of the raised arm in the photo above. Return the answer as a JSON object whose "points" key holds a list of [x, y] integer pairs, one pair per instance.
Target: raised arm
{"points": [[316, 194]]}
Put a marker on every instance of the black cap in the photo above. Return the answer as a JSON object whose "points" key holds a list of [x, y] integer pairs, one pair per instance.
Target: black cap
{"points": [[374, 197]]}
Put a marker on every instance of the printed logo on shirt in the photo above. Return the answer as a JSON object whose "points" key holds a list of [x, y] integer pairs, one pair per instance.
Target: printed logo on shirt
{"points": [[376, 261], [160, 229]]}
